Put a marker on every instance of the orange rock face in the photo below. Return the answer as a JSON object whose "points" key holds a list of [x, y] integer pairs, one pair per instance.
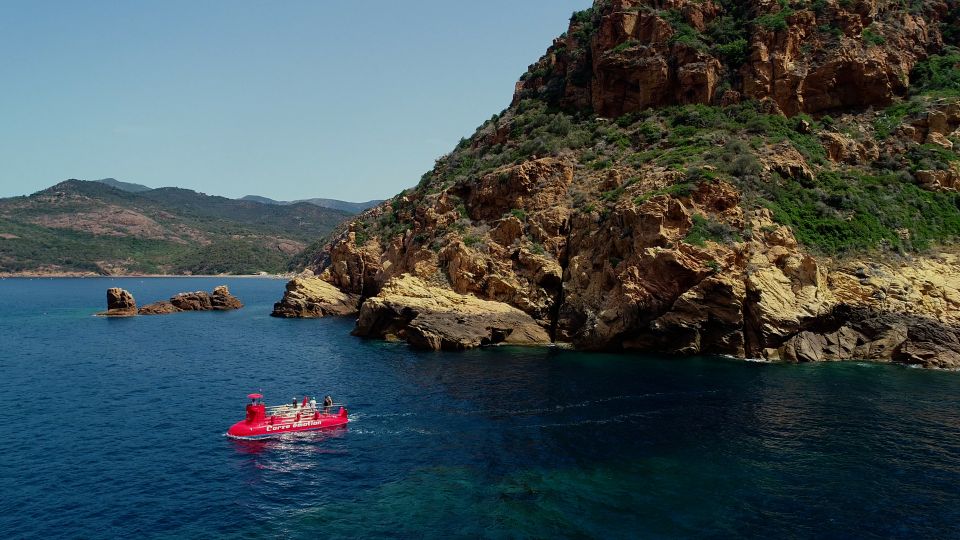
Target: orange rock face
{"points": [[634, 54]]}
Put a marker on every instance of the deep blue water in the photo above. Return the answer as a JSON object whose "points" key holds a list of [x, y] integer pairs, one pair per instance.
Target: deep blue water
{"points": [[114, 428]]}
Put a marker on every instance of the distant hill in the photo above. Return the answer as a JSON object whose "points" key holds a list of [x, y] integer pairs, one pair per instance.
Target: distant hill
{"points": [[259, 199], [352, 207], [112, 227], [125, 186]]}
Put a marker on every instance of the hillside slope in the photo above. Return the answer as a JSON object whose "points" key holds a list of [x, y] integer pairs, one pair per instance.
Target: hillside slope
{"points": [[92, 227], [762, 179]]}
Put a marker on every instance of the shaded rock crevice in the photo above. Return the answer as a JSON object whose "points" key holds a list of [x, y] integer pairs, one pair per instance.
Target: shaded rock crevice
{"points": [[564, 261]]}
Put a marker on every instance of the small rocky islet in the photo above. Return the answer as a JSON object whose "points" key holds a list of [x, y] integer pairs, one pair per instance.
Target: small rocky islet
{"points": [[120, 303], [741, 178]]}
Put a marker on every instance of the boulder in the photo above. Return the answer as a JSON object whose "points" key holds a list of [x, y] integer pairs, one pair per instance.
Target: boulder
{"points": [[158, 308], [120, 303], [312, 297], [851, 333], [431, 317], [192, 301], [219, 300], [222, 300]]}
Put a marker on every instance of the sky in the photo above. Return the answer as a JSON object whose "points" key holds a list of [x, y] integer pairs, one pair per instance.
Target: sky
{"points": [[296, 99]]}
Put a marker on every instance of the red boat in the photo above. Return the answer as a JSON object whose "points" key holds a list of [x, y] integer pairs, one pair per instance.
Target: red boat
{"points": [[263, 421]]}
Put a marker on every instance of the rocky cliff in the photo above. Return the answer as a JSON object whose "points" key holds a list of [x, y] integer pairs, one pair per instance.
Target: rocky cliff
{"points": [[761, 179]]}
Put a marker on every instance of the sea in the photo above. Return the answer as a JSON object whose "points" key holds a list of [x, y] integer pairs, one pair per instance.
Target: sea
{"points": [[114, 428]]}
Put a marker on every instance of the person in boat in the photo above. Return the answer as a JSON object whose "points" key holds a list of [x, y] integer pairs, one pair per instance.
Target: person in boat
{"points": [[294, 402], [313, 403], [327, 403]]}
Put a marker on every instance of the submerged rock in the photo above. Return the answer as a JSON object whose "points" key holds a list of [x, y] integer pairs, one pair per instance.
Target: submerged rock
{"points": [[120, 303]]}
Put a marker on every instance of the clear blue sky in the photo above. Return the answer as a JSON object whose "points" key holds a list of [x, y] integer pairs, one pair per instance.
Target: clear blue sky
{"points": [[351, 100]]}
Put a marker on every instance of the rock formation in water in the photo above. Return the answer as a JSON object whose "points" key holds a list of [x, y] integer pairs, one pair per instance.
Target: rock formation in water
{"points": [[309, 297], [120, 303], [219, 300], [436, 318], [761, 179]]}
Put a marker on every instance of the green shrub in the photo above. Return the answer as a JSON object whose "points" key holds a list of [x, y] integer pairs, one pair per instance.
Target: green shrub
{"points": [[856, 212], [628, 44], [931, 157], [709, 229], [775, 21], [601, 164], [872, 37], [683, 189], [893, 116], [584, 21], [939, 74], [734, 53], [683, 32]]}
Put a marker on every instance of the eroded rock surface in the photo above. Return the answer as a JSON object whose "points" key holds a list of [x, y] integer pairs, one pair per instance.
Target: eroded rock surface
{"points": [[644, 54], [861, 333], [120, 303], [311, 297], [219, 300], [222, 300], [434, 318]]}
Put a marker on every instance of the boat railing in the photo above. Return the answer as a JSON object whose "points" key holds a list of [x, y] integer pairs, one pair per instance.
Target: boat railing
{"points": [[288, 410]]}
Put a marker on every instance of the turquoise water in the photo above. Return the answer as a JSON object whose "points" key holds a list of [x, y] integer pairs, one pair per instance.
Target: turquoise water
{"points": [[114, 428]]}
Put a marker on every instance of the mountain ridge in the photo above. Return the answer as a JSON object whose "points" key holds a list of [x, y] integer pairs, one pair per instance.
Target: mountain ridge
{"points": [[336, 204], [78, 226]]}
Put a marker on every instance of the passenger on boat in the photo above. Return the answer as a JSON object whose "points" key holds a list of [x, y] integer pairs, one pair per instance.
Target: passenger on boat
{"points": [[294, 402], [313, 403], [327, 403]]}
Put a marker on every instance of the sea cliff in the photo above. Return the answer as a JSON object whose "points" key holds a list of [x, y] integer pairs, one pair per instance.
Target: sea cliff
{"points": [[761, 179]]}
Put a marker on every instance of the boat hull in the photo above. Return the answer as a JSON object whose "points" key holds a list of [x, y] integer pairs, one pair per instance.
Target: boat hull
{"points": [[278, 426]]}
